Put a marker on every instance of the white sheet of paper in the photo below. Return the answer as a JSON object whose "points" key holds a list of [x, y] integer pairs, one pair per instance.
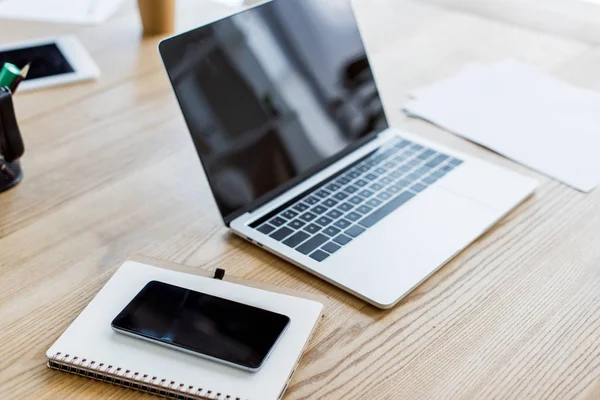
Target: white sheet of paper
{"points": [[523, 113], [62, 11], [231, 3]]}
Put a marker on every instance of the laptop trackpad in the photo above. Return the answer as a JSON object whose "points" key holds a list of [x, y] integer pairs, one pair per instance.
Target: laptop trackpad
{"points": [[405, 248]]}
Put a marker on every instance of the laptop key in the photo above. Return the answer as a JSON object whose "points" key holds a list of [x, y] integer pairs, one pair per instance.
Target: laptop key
{"points": [[289, 214], [385, 180], [313, 243], [354, 216], [356, 200], [456, 162], [296, 239], [366, 193], [340, 196], [346, 207], [331, 247], [331, 231], [386, 210], [374, 203], [319, 209], [437, 161], [311, 200], [355, 231], [324, 221], [430, 180], [342, 239], [371, 177], [282, 233], [351, 189], [322, 193], [384, 196], [335, 214], [277, 221], [330, 203], [266, 229], [312, 228], [343, 181], [426, 154], [399, 186], [308, 216], [376, 187], [380, 156], [418, 187], [361, 183], [420, 175], [403, 144], [300, 207], [342, 224], [332, 187], [364, 209], [319, 255], [296, 224], [354, 174]]}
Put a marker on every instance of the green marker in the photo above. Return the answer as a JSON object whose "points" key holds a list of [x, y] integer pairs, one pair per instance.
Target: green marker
{"points": [[8, 74]]}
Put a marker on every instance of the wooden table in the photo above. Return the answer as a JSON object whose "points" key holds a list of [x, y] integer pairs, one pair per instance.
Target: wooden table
{"points": [[110, 172]]}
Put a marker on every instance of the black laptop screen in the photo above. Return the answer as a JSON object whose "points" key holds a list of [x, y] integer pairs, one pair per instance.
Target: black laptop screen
{"points": [[273, 94]]}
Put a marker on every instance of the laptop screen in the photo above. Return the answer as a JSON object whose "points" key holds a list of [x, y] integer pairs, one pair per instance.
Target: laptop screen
{"points": [[272, 95]]}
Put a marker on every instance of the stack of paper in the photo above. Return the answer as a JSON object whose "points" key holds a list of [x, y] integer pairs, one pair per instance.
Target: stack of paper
{"points": [[64, 11], [523, 113]]}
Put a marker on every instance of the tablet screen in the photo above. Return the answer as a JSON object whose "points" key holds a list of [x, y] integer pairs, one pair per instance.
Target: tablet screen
{"points": [[46, 60]]}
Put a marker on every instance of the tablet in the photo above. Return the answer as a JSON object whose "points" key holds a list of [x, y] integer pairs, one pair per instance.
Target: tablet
{"points": [[54, 61]]}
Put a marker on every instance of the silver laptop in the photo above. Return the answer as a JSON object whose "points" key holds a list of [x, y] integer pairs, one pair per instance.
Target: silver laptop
{"points": [[286, 117]]}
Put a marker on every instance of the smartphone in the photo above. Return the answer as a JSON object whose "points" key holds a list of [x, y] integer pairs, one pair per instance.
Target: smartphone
{"points": [[211, 327]]}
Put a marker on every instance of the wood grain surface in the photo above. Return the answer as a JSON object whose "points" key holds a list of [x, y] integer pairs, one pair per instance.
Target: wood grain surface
{"points": [[110, 172]]}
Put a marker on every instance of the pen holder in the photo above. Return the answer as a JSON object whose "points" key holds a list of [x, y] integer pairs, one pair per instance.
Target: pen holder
{"points": [[10, 175], [11, 143]]}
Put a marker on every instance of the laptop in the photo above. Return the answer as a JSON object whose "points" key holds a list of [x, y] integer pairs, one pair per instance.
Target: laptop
{"points": [[283, 108]]}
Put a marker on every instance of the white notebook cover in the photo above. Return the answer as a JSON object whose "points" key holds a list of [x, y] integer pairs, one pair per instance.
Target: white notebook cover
{"points": [[91, 337]]}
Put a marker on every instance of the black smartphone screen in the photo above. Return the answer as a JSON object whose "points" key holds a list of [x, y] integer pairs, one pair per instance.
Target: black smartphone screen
{"points": [[219, 328], [46, 60]]}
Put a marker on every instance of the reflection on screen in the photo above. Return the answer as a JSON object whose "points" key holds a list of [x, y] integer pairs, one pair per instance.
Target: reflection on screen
{"points": [[273, 92]]}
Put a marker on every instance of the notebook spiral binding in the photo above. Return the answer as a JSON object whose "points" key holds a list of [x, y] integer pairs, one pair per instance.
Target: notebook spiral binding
{"points": [[132, 380]]}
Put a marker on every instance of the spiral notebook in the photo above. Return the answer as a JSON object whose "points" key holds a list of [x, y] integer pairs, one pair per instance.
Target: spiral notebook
{"points": [[90, 348]]}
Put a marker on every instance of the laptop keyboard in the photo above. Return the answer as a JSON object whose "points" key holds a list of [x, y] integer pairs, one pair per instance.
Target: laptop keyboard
{"points": [[320, 223]]}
